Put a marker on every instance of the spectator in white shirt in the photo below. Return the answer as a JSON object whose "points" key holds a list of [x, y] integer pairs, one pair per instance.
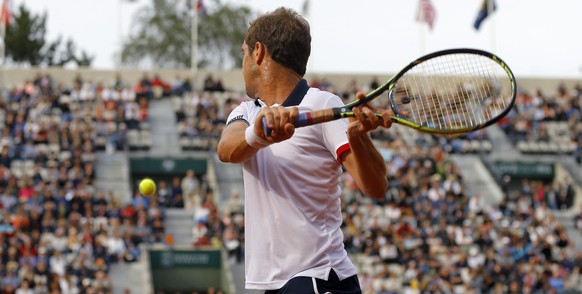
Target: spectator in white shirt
{"points": [[58, 263], [115, 245]]}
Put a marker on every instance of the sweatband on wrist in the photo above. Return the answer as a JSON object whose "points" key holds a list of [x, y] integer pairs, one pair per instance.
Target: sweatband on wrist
{"points": [[254, 140]]}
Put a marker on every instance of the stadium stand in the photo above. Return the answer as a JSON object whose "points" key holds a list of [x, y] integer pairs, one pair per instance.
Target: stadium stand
{"points": [[430, 236], [59, 234], [547, 124], [58, 231]]}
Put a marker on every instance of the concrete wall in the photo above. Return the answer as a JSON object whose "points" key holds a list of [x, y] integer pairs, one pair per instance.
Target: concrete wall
{"points": [[232, 79], [15, 76]]}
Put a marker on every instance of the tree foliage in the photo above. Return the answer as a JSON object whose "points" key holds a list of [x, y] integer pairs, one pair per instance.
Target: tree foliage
{"points": [[25, 37], [26, 43], [162, 35], [221, 35]]}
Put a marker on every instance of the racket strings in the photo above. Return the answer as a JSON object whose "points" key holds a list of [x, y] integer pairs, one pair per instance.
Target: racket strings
{"points": [[452, 92]]}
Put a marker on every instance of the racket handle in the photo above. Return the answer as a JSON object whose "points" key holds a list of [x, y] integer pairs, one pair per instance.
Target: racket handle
{"points": [[303, 119], [266, 129]]}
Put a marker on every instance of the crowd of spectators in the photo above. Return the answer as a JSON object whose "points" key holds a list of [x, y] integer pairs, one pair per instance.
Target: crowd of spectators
{"points": [[58, 232], [428, 235], [549, 122], [200, 119], [201, 115]]}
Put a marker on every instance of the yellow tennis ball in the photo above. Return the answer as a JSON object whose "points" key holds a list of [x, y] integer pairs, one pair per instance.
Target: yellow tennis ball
{"points": [[147, 187]]}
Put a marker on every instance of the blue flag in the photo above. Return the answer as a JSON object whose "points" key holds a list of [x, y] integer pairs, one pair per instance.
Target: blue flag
{"points": [[484, 12]]}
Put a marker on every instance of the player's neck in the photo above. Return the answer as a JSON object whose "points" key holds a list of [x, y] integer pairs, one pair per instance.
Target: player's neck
{"points": [[277, 85]]}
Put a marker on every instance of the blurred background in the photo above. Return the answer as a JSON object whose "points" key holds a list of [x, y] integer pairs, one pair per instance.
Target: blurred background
{"points": [[96, 95]]}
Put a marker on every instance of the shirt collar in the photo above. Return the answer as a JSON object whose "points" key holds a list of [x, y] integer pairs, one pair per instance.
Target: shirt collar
{"points": [[294, 98], [297, 94]]}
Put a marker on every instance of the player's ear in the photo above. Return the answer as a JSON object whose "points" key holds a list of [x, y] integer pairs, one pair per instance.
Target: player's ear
{"points": [[259, 52]]}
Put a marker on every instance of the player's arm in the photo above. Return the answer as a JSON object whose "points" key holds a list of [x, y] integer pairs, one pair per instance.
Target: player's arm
{"points": [[239, 141], [232, 146], [366, 166], [363, 161]]}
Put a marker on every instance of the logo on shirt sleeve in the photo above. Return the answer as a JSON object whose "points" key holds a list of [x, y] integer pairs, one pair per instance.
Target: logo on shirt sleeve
{"points": [[238, 117]]}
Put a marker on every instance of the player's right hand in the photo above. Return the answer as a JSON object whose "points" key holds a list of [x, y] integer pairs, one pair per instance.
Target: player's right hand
{"points": [[279, 120]]}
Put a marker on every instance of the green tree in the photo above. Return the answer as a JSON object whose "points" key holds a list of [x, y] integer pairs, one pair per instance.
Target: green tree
{"points": [[221, 33], [26, 43], [55, 54], [25, 37], [163, 35]]}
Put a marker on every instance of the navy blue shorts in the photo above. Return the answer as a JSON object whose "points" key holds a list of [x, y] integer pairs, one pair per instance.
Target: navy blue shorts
{"points": [[308, 285]]}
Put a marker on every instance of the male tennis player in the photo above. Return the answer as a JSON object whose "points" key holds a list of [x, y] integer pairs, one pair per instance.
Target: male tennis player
{"points": [[293, 241]]}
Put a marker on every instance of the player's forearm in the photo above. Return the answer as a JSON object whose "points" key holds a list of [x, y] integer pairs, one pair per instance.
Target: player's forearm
{"points": [[367, 167], [233, 147]]}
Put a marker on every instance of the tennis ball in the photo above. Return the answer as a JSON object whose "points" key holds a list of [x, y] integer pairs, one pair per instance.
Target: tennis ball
{"points": [[147, 187]]}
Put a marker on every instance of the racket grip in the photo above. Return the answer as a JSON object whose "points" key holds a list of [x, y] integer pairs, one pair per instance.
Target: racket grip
{"points": [[303, 119], [265, 127]]}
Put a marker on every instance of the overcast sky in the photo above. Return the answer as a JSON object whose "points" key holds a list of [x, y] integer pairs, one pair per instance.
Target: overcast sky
{"points": [[535, 37]]}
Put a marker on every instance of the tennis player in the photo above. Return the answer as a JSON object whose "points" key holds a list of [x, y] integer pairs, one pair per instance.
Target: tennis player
{"points": [[293, 240]]}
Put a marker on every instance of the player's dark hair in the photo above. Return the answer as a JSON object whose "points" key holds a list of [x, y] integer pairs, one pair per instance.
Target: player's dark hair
{"points": [[286, 36]]}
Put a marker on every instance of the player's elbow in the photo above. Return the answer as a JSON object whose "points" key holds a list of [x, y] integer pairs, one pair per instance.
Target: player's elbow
{"points": [[222, 157], [231, 154], [222, 152], [377, 195], [377, 191]]}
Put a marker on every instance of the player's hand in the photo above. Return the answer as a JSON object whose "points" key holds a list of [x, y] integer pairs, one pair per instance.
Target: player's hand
{"points": [[279, 120], [365, 118]]}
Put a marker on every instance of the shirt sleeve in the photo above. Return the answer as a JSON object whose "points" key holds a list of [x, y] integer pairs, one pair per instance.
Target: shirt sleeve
{"points": [[334, 132], [239, 113]]}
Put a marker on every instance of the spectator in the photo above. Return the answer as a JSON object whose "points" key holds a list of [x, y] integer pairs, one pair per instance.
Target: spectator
{"points": [[24, 288], [177, 86], [190, 185], [235, 203], [159, 87], [144, 87], [115, 246], [209, 83]]}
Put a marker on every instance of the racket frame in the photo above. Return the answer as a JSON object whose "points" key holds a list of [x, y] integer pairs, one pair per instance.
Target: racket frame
{"points": [[324, 115]]}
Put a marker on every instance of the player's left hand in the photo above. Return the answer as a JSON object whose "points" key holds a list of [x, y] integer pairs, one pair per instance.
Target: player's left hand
{"points": [[365, 118]]}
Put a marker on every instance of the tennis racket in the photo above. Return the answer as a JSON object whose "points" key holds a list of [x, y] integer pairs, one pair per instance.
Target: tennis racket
{"points": [[452, 91]]}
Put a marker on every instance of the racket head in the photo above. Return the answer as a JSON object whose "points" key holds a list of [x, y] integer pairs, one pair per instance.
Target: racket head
{"points": [[451, 91]]}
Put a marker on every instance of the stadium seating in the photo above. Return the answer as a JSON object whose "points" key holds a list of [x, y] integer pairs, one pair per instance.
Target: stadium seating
{"points": [[199, 117], [402, 243], [543, 124], [58, 231], [50, 209]]}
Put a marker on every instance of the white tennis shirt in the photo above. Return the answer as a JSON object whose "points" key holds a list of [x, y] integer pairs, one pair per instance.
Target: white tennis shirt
{"points": [[292, 198]]}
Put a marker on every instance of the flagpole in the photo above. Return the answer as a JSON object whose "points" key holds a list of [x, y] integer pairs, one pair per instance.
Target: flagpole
{"points": [[118, 56], [194, 38], [2, 37], [422, 39], [2, 45], [490, 9]]}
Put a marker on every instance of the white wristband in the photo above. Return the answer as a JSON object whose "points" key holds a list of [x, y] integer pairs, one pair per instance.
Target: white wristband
{"points": [[254, 140]]}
